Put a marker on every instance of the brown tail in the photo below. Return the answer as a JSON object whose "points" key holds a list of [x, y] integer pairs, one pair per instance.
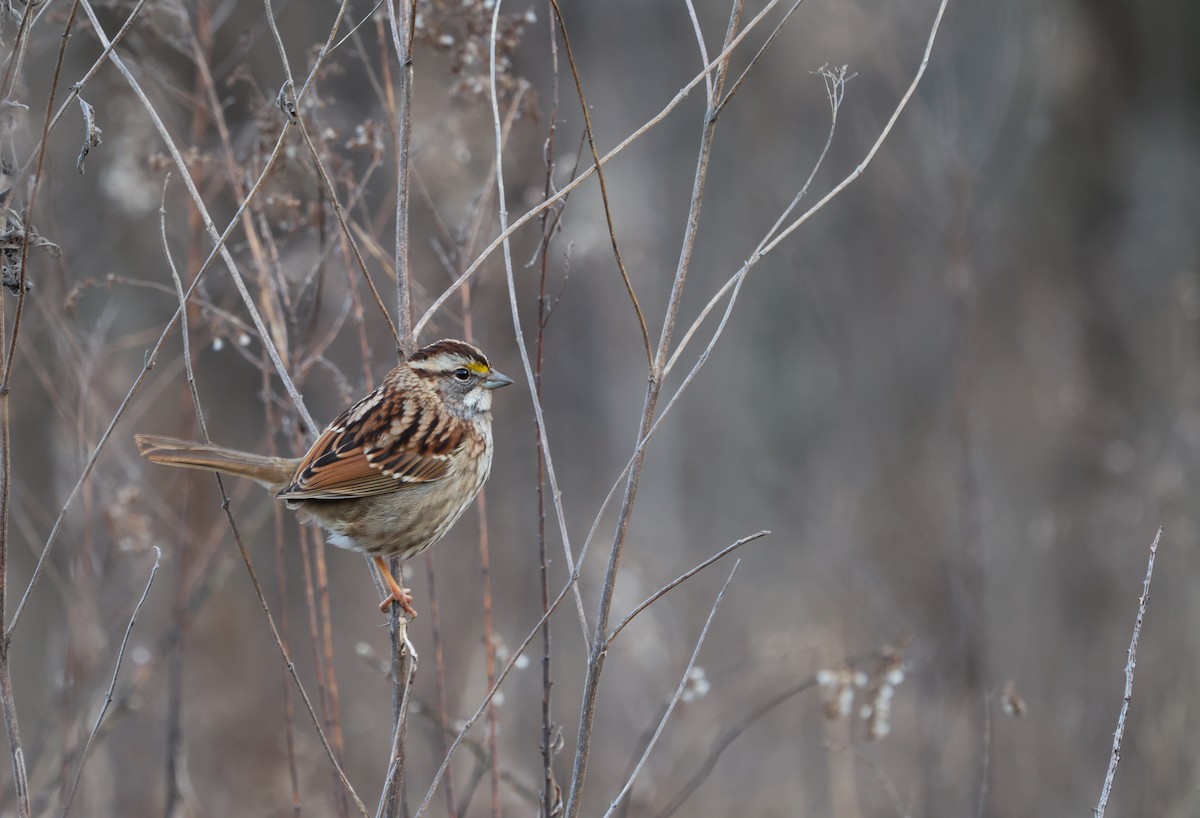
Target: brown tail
{"points": [[273, 472]]}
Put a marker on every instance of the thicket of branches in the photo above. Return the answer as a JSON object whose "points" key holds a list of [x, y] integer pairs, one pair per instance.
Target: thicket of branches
{"points": [[226, 220]]}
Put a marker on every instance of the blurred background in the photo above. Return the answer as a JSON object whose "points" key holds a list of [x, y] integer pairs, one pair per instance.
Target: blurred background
{"points": [[962, 397]]}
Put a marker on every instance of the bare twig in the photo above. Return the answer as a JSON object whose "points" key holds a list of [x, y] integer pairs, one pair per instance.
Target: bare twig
{"points": [[1130, 664], [245, 554], [108, 696], [152, 355], [684, 577], [390, 800], [732, 733], [598, 652], [500, 677], [683, 681], [402, 42], [514, 310], [547, 735], [565, 191], [591, 139], [439, 677], [239, 283]]}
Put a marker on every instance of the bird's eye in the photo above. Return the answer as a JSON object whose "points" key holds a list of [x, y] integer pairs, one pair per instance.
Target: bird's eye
{"points": [[462, 374]]}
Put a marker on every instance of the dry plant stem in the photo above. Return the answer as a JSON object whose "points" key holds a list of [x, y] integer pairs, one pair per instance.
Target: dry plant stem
{"points": [[7, 701], [333, 709], [489, 649], [108, 696], [527, 367], [834, 88], [485, 565], [1130, 665], [210, 228], [330, 190], [151, 359], [509, 665], [547, 736], [591, 139], [888, 785], [73, 91], [439, 676], [731, 734], [985, 762], [402, 42], [29, 207], [599, 648], [339, 211], [674, 698], [682, 578], [566, 190], [225, 505], [708, 89], [289, 707], [13, 69], [754, 61], [404, 660], [883, 135], [390, 801]]}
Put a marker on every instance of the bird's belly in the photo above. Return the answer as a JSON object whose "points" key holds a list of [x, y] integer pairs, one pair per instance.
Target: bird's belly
{"points": [[399, 524]]}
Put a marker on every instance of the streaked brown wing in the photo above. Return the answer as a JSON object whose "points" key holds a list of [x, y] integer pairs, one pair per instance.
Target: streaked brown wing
{"points": [[381, 444]]}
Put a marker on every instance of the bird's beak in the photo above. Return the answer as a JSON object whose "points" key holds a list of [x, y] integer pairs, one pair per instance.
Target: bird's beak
{"points": [[496, 380]]}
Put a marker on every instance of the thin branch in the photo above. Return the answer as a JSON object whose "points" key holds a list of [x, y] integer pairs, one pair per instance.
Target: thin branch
{"points": [[737, 84], [474, 718], [245, 554], [565, 191], [108, 696], [29, 207], [883, 135], [210, 228], [1130, 664], [732, 733], [389, 802], [598, 653], [684, 577], [591, 139], [547, 734], [152, 354], [522, 347], [402, 43], [442, 714], [683, 681]]}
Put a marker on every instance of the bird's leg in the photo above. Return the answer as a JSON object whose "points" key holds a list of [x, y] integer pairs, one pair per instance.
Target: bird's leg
{"points": [[402, 596]]}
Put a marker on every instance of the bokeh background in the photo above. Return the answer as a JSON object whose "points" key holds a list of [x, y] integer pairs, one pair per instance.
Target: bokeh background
{"points": [[962, 397]]}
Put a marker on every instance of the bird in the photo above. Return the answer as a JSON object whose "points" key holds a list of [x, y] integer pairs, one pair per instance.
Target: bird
{"points": [[390, 475]]}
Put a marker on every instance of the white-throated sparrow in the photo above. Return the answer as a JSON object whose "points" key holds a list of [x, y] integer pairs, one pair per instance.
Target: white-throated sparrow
{"points": [[392, 473]]}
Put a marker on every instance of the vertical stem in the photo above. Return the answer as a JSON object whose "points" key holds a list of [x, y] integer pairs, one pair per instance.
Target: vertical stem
{"points": [[402, 41], [599, 648], [489, 650], [439, 678], [333, 717], [547, 737], [289, 708], [7, 703], [403, 665]]}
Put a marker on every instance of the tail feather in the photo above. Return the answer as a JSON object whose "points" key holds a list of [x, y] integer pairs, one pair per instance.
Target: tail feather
{"points": [[272, 472]]}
